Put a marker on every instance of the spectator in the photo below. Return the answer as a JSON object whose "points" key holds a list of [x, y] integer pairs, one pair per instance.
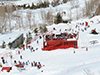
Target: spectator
{"points": [[37, 41], [32, 64], [18, 52], [0, 64], [3, 61], [20, 56], [15, 62], [74, 51], [39, 65]]}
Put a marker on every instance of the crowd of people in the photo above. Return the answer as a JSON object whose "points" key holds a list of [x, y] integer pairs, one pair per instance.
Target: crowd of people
{"points": [[28, 63]]}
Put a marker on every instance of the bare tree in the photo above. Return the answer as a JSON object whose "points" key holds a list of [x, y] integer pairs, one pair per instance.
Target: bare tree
{"points": [[33, 21], [69, 14], [72, 3], [90, 7], [49, 16], [21, 20], [83, 12], [77, 14], [18, 23], [9, 15], [43, 16], [2, 19], [29, 18]]}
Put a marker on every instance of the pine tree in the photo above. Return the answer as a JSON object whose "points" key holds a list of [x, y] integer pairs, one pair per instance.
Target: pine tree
{"points": [[27, 38], [10, 45], [58, 18], [30, 36], [44, 29], [22, 40], [36, 31], [3, 45], [65, 1], [41, 29]]}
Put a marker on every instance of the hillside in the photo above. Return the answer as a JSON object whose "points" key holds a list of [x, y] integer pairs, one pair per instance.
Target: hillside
{"points": [[62, 61], [84, 60]]}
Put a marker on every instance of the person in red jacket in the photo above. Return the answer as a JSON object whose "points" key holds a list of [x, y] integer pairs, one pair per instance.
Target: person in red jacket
{"points": [[35, 63], [86, 23], [18, 52], [39, 65]]}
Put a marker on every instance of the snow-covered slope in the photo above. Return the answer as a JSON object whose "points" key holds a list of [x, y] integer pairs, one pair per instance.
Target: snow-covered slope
{"points": [[62, 61]]}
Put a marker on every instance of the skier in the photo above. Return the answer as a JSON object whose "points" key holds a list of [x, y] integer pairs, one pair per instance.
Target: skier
{"points": [[74, 51], [36, 48], [15, 62], [84, 28], [35, 63], [39, 66], [37, 41], [18, 52], [2, 57], [26, 47], [40, 37], [32, 64], [11, 56], [86, 49], [26, 63], [23, 48], [31, 49], [20, 56], [23, 64], [19, 62], [3, 61], [0, 64], [86, 23]]}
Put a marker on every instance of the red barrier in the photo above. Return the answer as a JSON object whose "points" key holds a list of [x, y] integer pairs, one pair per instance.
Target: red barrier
{"points": [[19, 66], [6, 68], [59, 44]]}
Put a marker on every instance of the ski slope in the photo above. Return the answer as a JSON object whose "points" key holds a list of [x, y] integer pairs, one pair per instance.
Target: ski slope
{"points": [[62, 61]]}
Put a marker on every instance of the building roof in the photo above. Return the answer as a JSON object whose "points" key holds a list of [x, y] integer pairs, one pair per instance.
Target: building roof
{"points": [[9, 37]]}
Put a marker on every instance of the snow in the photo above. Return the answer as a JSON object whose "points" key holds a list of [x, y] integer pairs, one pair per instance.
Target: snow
{"points": [[9, 37], [60, 61]]}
